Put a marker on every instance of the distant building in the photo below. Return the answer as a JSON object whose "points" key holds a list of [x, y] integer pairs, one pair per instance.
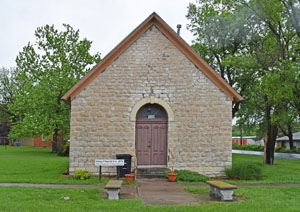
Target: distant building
{"points": [[246, 140], [284, 141], [42, 142], [27, 142]]}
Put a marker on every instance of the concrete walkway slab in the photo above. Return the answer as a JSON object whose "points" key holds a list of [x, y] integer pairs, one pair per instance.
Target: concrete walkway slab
{"points": [[128, 192], [158, 191]]}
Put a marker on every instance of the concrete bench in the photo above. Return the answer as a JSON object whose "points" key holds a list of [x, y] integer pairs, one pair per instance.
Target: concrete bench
{"points": [[221, 190], [113, 189]]}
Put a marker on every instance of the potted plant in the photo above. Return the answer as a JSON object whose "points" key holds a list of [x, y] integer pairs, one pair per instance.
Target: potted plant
{"points": [[129, 177], [172, 176]]}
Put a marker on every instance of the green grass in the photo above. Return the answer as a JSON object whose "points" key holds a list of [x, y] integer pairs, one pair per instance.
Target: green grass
{"points": [[191, 183], [270, 199], [283, 172], [253, 147], [26, 164], [197, 190], [30, 165], [245, 171]]}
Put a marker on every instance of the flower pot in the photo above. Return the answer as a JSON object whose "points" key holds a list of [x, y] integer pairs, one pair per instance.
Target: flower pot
{"points": [[129, 177], [172, 177]]}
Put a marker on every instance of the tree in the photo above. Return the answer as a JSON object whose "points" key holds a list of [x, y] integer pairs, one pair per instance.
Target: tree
{"points": [[8, 89], [220, 37], [266, 59], [276, 53], [47, 70]]}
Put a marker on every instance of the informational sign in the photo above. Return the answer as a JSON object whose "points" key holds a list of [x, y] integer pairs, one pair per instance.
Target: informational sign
{"points": [[151, 116], [109, 162]]}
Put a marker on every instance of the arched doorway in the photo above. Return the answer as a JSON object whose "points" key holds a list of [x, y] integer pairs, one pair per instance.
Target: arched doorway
{"points": [[151, 135]]}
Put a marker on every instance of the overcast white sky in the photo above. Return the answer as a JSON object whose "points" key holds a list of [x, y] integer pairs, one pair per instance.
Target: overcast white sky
{"points": [[105, 22]]}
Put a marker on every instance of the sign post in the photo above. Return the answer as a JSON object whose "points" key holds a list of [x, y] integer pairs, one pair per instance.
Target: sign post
{"points": [[109, 162]]}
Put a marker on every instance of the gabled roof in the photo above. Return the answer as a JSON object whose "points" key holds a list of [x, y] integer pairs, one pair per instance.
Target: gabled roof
{"points": [[296, 137], [175, 39]]}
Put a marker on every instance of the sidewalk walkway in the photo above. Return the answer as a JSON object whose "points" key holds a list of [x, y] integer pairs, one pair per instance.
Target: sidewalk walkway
{"points": [[246, 185], [158, 191], [51, 185], [127, 191], [154, 181]]}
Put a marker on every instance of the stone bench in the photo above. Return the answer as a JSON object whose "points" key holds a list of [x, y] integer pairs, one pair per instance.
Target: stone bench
{"points": [[113, 189], [221, 190]]}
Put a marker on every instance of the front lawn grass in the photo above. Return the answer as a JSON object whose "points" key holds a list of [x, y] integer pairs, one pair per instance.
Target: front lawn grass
{"points": [[26, 164], [267, 199], [284, 171]]}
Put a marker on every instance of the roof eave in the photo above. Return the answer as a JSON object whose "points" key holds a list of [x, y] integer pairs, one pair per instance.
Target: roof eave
{"points": [[154, 19], [109, 58]]}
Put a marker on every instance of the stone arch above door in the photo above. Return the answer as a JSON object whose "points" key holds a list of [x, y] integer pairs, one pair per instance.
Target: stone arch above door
{"points": [[151, 100]]}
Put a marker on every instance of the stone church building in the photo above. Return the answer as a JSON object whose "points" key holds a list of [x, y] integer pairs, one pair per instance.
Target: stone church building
{"points": [[155, 98]]}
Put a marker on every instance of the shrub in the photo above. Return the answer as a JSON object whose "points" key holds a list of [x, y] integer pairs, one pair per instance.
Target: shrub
{"points": [[65, 150], [284, 150], [235, 146], [82, 174], [280, 149], [189, 176], [251, 147], [261, 148], [245, 171]]}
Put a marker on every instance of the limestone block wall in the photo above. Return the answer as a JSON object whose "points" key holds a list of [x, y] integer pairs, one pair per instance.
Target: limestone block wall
{"points": [[200, 134]]}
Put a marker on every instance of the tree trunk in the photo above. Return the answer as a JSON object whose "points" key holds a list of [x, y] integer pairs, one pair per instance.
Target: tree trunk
{"points": [[290, 135], [54, 141], [265, 148], [241, 136], [271, 141], [272, 131], [235, 108], [55, 136]]}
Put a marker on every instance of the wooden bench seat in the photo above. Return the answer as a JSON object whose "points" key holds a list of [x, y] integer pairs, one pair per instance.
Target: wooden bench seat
{"points": [[113, 189], [221, 190]]}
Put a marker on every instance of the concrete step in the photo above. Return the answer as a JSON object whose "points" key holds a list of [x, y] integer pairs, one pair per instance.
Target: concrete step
{"points": [[151, 172], [149, 176]]}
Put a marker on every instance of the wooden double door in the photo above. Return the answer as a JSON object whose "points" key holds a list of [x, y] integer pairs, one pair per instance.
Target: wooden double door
{"points": [[151, 141]]}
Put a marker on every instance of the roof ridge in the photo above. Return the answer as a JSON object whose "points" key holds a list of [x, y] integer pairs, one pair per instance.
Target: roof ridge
{"points": [[176, 40]]}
